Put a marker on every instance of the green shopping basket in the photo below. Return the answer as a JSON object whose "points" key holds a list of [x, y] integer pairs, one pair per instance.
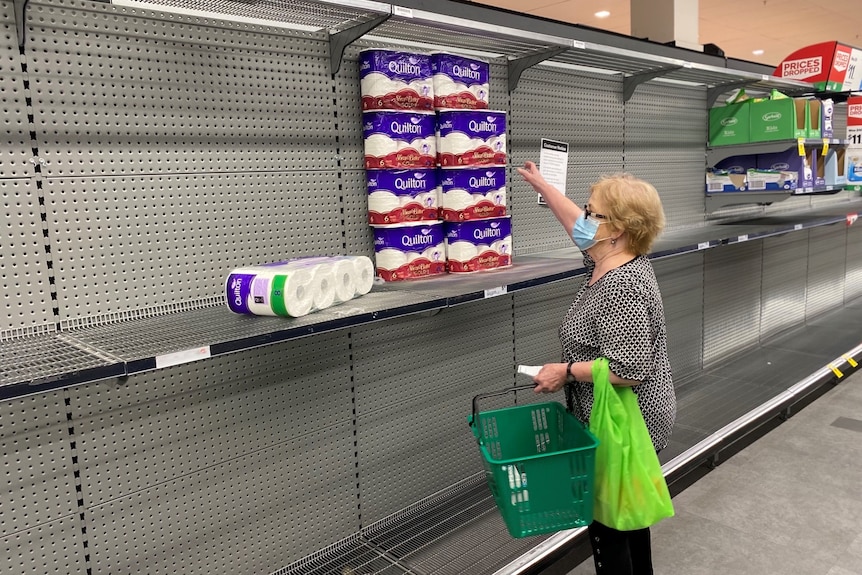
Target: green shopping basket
{"points": [[540, 464]]}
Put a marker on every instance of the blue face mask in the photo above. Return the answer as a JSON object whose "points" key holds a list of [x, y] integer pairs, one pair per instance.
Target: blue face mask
{"points": [[584, 232]]}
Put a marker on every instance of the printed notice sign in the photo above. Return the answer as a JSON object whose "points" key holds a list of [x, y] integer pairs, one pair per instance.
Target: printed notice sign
{"points": [[554, 164]]}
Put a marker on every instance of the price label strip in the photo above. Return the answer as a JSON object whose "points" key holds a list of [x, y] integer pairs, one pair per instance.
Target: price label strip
{"points": [[494, 292], [181, 357]]}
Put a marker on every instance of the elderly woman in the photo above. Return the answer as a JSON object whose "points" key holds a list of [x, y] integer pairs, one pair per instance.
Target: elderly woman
{"points": [[617, 313]]}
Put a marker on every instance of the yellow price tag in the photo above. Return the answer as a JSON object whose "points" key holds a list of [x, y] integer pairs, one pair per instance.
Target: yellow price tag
{"points": [[800, 143], [825, 147], [836, 371], [850, 360]]}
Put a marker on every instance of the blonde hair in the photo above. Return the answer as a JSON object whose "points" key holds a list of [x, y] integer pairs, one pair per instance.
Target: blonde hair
{"points": [[633, 206]]}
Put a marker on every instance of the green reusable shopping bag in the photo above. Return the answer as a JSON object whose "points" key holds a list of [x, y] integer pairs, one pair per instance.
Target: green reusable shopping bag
{"points": [[630, 489]]}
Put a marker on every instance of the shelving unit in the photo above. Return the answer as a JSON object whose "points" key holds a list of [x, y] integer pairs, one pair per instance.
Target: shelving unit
{"points": [[718, 200], [718, 153], [131, 347]]}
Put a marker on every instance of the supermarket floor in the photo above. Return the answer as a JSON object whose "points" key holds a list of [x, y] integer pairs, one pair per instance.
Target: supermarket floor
{"points": [[788, 503]]}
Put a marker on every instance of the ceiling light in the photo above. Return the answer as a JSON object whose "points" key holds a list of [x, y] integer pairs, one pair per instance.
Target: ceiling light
{"points": [[757, 52], [602, 14]]}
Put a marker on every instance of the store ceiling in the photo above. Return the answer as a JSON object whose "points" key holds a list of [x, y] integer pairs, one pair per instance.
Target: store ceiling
{"points": [[778, 27]]}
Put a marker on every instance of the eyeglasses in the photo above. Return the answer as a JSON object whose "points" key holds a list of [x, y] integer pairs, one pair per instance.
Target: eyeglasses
{"points": [[590, 214]]}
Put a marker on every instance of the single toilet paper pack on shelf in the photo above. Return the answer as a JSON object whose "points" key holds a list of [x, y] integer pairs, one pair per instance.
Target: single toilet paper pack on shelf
{"points": [[395, 80], [401, 196], [298, 286], [460, 82], [473, 193], [399, 140], [471, 138], [409, 251], [273, 290], [478, 244]]}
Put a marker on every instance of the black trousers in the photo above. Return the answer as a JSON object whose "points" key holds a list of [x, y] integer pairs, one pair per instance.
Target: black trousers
{"points": [[620, 552]]}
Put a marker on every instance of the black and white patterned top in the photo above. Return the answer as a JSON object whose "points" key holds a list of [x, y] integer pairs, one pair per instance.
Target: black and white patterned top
{"points": [[621, 317]]}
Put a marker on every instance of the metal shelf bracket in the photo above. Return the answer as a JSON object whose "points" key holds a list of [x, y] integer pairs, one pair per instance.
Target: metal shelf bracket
{"points": [[521, 63], [630, 83], [714, 92], [338, 41], [20, 17]]}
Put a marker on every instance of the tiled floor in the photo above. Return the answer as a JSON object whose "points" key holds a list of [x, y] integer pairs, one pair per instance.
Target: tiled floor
{"points": [[789, 503]]}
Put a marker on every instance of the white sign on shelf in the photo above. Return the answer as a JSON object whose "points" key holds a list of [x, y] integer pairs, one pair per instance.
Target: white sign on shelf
{"points": [[554, 164], [494, 292], [181, 357], [403, 12]]}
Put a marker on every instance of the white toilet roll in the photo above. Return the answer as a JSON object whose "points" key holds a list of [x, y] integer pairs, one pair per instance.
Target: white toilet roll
{"points": [[281, 291], [390, 259], [384, 202], [458, 199], [344, 273], [363, 274], [323, 285], [461, 251]]}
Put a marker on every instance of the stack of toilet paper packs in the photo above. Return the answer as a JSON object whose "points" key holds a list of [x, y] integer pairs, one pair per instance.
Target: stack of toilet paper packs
{"points": [[435, 160], [294, 288]]}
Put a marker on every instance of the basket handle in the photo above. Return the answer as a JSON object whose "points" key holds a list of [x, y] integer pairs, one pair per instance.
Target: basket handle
{"points": [[494, 394]]}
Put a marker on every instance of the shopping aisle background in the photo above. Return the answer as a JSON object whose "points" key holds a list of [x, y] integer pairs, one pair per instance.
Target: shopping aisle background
{"points": [[789, 503]]}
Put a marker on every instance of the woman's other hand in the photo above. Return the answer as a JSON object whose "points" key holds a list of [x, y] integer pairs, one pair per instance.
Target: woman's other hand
{"points": [[551, 378]]}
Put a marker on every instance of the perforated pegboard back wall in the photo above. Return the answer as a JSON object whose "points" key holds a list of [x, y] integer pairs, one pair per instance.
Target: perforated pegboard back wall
{"points": [[681, 281], [582, 109], [415, 378], [38, 480], [52, 547], [221, 462], [538, 314], [126, 93], [561, 105], [203, 148], [731, 317], [665, 144], [136, 242], [785, 271], [27, 306], [827, 254], [40, 530], [15, 148]]}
